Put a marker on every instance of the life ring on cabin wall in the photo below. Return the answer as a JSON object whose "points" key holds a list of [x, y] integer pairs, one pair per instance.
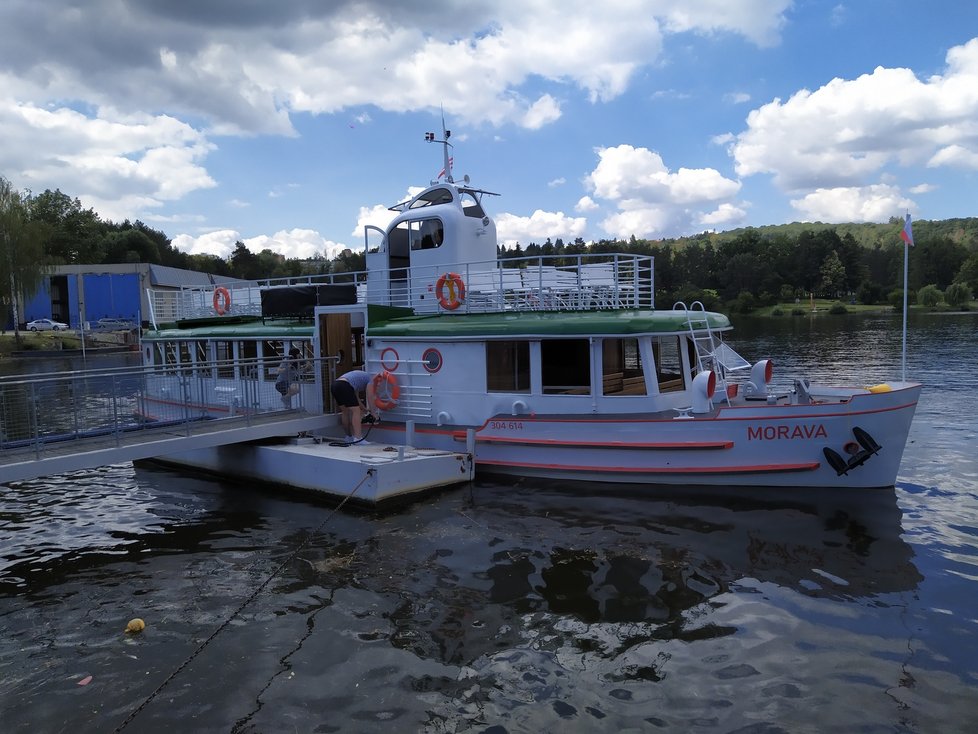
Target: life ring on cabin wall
{"points": [[456, 291], [388, 382], [222, 300]]}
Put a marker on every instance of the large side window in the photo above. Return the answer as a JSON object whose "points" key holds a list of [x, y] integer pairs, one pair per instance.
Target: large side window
{"points": [[621, 366], [427, 234], [508, 366], [668, 363], [565, 366]]}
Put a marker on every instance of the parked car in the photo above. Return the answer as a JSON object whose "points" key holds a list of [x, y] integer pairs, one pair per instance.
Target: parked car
{"points": [[46, 325], [114, 325]]}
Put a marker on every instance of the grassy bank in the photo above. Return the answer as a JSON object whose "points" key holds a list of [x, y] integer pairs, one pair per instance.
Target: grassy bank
{"points": [[828, 307], [53, 341]]}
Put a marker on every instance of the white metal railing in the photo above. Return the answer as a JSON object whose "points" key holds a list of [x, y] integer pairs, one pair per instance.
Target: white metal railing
{"points": [[543, 283], [45, 412]]}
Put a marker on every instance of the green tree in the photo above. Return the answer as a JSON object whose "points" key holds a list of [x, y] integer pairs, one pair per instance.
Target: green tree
{"points": [[929, 295], [958, 294], [74, 234], [22, 258], [968, 273], [244, 263], [832, 275]]}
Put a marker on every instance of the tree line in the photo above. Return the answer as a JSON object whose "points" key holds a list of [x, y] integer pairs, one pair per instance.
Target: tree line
{"points": [[736, 270], [780, 264]]}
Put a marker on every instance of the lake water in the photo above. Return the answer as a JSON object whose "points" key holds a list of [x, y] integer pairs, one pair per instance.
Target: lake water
{"points": [[523, 606]]}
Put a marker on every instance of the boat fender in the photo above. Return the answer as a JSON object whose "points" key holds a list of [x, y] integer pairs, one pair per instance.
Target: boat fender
{"points": [[760, 376], [385, 382], [453, 283], [704, 385], [882, 387], [222, 300]]}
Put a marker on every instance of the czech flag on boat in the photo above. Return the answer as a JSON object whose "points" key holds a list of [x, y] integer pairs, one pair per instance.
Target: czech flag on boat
{"points": [[907, 234]]}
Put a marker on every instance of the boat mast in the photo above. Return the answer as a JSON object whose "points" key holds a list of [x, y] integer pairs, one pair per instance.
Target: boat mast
{"points": [[446, 134]]}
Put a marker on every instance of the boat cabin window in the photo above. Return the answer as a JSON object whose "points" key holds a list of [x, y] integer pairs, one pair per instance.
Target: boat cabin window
{"points": [[430, 198], [508, 366], [668, 363], [426, 234], [248, 358], [224, 356], [565, 366], [471, 206], [273, 351], [621, 368]]}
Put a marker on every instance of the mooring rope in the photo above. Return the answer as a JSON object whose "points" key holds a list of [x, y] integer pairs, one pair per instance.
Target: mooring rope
{"points": [[254, 595]]}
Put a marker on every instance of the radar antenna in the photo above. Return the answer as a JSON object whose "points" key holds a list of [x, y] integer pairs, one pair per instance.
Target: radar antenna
{"points": [[446, 134]]}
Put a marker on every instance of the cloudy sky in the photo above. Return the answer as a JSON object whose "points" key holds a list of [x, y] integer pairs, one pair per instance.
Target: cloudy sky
{"points": [[291, 124]]}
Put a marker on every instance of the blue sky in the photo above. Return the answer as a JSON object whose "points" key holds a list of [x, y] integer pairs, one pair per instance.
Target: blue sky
{"points": [[290, 125]]}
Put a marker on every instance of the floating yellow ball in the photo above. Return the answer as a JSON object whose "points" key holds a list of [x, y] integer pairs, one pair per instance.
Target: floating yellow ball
{"points": [[135, 625]]}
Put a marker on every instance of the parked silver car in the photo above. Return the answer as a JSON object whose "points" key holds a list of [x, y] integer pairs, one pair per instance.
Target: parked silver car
{"points": [[114, 325], [46, 325]]}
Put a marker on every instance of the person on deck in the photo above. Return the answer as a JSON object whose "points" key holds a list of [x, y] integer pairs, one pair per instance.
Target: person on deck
{"points": [[287, 382], [346, 390]]}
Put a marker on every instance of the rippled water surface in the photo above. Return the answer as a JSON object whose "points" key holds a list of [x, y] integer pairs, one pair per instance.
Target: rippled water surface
{"points": [[520, 607]]}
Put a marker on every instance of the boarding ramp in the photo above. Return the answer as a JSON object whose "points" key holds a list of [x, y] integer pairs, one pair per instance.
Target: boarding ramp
{"points": [[66, 421]]}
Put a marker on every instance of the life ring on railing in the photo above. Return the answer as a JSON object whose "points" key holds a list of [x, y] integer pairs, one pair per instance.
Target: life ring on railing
{"points": [[222, 300], [386, 380], [456, 291]]}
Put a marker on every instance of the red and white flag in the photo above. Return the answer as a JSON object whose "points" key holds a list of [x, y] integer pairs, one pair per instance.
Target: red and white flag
{"points": [[442, 171]]}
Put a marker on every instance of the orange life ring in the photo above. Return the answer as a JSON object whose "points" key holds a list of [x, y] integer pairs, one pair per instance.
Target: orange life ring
{"points": [[387, 380], [222, 300], [456, 291]]}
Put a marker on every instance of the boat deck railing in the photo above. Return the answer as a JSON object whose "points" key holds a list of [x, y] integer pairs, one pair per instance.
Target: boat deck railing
{"points": [[584, 282], [49, 414]]}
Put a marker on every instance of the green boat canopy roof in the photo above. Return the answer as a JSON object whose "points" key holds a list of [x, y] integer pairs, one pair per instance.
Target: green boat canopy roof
{"points": [[541, 323]]}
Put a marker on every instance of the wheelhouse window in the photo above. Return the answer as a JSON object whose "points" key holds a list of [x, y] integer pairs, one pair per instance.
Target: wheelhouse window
{"points": [[621, 367], [668, 363], [430, 198], [565, 366], [426, 234], [471, 206], [508, 366]]}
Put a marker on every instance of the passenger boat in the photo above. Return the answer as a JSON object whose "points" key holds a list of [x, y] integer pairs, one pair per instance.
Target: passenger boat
{"points": [[558, 367]]}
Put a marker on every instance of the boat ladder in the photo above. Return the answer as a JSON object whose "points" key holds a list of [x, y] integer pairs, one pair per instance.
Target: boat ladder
{"points": [[711, 352]]}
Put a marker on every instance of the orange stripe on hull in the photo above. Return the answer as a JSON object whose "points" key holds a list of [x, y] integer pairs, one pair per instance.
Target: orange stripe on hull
{"points": [[556, 443]]}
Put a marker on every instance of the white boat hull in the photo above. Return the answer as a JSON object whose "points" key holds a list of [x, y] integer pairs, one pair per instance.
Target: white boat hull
{"points": [[741, 445]]}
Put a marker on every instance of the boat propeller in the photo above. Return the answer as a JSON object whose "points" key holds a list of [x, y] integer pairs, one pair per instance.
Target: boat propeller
{"points": [[859, 451]]}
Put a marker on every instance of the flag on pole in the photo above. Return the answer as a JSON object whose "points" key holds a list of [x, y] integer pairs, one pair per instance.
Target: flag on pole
{"points": [[442, 172], [907, 234]]}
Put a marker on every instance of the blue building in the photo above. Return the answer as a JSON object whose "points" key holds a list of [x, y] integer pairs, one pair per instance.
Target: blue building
{"points": [[86, 293]]}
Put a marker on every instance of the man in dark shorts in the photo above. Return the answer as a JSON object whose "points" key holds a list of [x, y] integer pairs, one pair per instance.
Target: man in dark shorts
{"points": [[346, 391]]}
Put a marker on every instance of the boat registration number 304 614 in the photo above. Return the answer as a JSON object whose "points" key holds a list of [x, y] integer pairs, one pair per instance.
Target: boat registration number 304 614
{"points": [[506, 425]]}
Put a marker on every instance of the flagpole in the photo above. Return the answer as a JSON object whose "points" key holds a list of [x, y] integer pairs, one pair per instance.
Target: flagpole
{"points": [[906, 266], [907, 236]]}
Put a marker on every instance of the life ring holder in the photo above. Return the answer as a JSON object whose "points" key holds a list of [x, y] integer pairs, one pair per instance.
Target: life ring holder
{"points": [[222, 300], [386, 379], [456, 291]]}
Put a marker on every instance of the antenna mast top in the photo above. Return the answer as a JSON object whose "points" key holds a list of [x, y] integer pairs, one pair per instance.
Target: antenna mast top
{"points": [[446, 134]]}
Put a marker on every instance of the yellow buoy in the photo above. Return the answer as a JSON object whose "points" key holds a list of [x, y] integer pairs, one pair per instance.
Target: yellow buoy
{"points": [[882, 387], [135, 625]]}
